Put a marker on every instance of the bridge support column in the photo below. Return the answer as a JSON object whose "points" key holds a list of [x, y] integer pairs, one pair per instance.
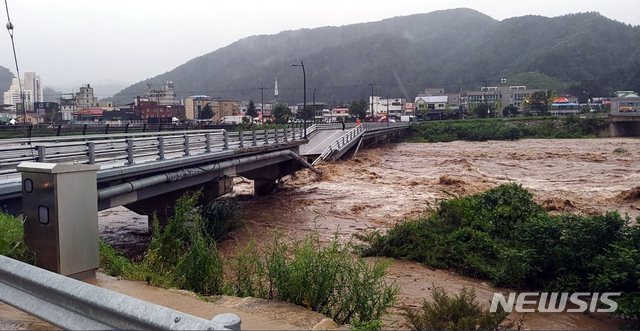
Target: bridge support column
{"points": [[162, 205], [61, 216], [263, 187]]}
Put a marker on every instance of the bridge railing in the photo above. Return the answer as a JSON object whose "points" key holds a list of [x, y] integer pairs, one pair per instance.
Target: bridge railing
{"points": [[356, 132], [71, 304], [341, 143], [122, 150]]}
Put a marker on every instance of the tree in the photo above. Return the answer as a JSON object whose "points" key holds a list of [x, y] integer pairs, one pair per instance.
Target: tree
{"points": [[282, 113], [251, 110], [509, 110], [448, 111], [358, 108], [482, 110], [206, 113], [540, 101]]}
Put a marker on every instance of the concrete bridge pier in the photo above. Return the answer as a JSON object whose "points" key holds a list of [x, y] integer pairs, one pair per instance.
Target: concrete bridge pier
{"points": [[624, 129], [265, 178], [162, 205]]}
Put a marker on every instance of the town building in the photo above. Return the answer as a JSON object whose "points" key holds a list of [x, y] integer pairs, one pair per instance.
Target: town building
{"points": [[337, 113], [88, 115], [120, 117], [500, 96], [194, 104], [224, 107], [67, 106], [151, 111], [625, 102], [105, 105], [32, 83], [166, 96], [395, 106], [33, 118], [50, 111], [12, 96], [85, 98]]}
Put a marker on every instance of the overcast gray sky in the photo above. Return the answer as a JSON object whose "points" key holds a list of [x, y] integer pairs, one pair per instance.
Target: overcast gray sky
{"points": [[73, 41]]}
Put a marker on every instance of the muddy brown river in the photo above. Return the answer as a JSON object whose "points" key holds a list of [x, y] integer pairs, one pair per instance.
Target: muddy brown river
{"points": [[384, 185]]}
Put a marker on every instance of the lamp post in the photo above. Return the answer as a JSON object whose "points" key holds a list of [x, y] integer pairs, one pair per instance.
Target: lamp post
{"points": [[304, 110]]}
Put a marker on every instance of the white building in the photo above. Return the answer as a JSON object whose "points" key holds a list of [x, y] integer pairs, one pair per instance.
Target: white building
{"points": [[32, 83], [12, 96], [395, 106], [67, 106]]}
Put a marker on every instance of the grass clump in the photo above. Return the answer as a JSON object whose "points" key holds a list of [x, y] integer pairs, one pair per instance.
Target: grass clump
{"points": [[326, 279], [12, 242], [620, 150], [460, 312], [503, 235], [180, 255], [221, 217]]}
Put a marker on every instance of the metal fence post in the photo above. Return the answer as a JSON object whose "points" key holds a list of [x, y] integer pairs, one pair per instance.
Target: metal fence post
{"points": [[160, 148], [106, 129], [58, 131], [266, 136], [91, 152], [207, 142], [276, 133], [186, 145], [144, 127], [129, 151], [241, 135], [41, 153], [126, 128], [226, 139], [286, 132], [84, 130], [255, 138]]}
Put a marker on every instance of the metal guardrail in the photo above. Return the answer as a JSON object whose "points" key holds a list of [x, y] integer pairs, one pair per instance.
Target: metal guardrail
{"points": [[71, 304], [129, 148], [357, 132]]}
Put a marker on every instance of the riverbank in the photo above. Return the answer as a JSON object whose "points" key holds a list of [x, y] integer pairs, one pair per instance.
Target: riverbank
{"points": [[382, 186]]}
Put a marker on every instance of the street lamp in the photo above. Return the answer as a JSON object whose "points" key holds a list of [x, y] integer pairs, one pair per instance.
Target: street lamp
{"points": [[304, 110]]}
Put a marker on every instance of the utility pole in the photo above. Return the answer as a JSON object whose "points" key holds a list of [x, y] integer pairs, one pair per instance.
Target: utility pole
{"points": [[388, 111], [372, 85], [314, 101], [304, 111], [262, 107]]}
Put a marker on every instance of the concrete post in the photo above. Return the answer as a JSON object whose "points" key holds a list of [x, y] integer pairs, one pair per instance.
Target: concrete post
{"points": [[60, 208], [228, 320]]}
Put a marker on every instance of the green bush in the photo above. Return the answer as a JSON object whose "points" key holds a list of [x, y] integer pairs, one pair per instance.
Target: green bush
{"points": [[12, 239], [326, 279], [505, 129], [503, 235], [220, 217], [460, 312], [180, 255]]}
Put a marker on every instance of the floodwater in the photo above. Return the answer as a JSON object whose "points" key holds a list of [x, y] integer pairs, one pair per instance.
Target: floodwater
{"points": [[383, 185]]}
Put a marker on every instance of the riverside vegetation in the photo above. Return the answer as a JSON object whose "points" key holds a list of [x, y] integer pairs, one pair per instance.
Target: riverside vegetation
{"points": [[504, 236], [183, 255], [572, 126]]}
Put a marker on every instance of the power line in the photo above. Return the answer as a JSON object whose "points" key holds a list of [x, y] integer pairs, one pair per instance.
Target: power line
{"points": [[15, 59]]}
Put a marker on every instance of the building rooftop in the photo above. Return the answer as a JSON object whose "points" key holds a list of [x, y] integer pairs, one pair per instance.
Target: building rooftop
{"points": [[431, 99]]}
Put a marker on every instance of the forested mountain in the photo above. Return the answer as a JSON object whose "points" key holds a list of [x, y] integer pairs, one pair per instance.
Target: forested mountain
{"points": [[455, 49], [5, 80]]}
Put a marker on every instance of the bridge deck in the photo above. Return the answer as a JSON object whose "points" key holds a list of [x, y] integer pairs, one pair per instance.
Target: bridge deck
{"points": [[319, 142]]}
